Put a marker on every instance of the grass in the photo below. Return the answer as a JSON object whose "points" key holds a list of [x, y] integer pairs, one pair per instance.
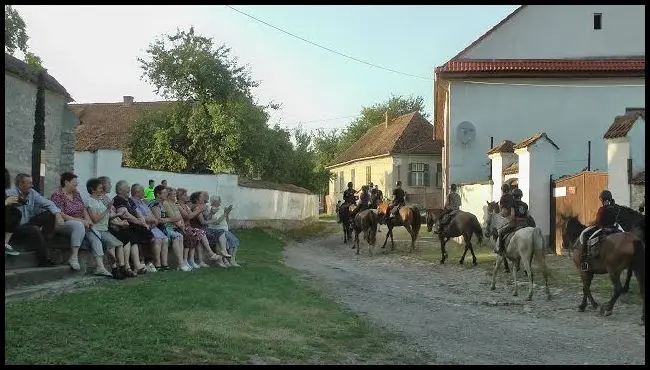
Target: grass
{"points": [[259, 313], [326, 217]]}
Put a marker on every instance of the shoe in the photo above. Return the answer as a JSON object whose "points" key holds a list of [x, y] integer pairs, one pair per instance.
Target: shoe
{"points": [[9, 250], [184, 267], [194, 266], [74, 264], [221, 263], [151, 267], [102, 272], [117, 273], [128, 272], [164, 268], [234, 263], [215, 257], [143, 270]]}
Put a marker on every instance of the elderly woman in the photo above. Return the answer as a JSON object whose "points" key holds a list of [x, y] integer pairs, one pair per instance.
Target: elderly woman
{"points": [[216, 239], [77, 223], [160, 249], [163, 219], [130, 228], [197, 234], [101, 214], [218, 219], [191, 240]]}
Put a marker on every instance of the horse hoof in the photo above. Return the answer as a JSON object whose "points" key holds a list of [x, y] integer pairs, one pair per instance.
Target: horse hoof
{"points": [[581, 308], [493, 287], [594, 305], [515, 294], [442, 262], [461, 262], [474, 263], [529, 298]]}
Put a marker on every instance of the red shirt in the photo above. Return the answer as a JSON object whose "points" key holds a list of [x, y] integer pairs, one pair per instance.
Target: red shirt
{"points": [[72, 207]]}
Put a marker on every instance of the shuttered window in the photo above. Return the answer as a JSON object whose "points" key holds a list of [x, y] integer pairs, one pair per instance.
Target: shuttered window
{"points": [[419, 174]]}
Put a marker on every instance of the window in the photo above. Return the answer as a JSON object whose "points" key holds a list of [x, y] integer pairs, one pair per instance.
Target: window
{"points": [[352, 177], [368, 175], [341, 182], [598, 21], [439, 175], [419, 174]]}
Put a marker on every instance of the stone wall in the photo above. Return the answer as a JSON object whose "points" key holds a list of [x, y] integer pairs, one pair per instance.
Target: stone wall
{"points": [[20, 104], [637, 194]]}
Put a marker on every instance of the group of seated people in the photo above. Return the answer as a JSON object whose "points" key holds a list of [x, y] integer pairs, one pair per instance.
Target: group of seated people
{"points": [[136, 227]]}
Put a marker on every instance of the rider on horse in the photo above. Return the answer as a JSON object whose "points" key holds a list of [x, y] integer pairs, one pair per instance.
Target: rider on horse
{"points": [[399, 199], [349, 195], [452, 205], [518, 218], [507, 201], [363, 202], [605, 220]]}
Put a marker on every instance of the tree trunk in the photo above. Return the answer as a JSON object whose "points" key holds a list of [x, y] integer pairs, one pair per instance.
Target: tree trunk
{"points": [[38, 144]]}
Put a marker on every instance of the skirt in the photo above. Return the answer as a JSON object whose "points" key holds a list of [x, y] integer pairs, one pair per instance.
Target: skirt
{"points": [[193, 236]]}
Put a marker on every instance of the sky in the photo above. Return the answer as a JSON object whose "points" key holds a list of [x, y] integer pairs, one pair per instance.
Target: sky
{"points": [[92, 50]]}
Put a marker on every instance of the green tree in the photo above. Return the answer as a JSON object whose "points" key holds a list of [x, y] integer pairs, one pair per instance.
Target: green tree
{"points": [[16, 38]]}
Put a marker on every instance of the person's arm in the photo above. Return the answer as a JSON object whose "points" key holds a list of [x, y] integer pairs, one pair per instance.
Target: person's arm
{"points": [[96, 216], [42, 202], [599, 217], [158, 215]]}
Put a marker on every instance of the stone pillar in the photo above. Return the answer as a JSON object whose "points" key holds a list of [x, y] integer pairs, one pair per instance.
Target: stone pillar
{"points": [[618, 152]]}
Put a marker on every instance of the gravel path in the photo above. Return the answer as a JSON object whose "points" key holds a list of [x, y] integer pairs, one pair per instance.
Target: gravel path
{"points": [[449, 311]]}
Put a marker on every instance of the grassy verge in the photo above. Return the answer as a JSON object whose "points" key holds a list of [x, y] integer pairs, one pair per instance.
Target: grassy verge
{"points": [[564, 274], [313, 230], [256, 314], [326, 217]]}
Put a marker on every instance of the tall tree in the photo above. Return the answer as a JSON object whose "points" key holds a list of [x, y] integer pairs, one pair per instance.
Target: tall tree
{"points": [[15, 31]]}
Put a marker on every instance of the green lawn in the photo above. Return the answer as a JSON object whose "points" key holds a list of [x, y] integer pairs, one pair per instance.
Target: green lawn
{"points": [[260, 313]]}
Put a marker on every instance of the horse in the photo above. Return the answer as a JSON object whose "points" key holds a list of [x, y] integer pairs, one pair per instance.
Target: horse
{"points": [[494, 207], [630, 220], [617, 252], [344, 218], [462, 224], [522, 246], [366, 221], [407, 216]]}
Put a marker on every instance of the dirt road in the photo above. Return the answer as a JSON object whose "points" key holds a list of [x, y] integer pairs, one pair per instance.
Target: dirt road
{"points": [[449, 311]]}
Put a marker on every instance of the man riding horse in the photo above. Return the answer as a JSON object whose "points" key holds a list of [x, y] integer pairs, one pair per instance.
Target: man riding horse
{"points": [[399, 199], [375, 197], [363, 203], [605, 224], [452, 205], [349, 198], [507, 201], [518, 218]]}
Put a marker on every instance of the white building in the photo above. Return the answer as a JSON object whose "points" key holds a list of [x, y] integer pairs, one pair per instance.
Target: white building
{"points": [[563, 70]]}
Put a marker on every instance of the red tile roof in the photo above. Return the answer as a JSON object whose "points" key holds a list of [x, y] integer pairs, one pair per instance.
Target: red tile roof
{"points": [[407, 134], [623, 124], [632, 64], [506, 146], [638, 179], [533, 139]]}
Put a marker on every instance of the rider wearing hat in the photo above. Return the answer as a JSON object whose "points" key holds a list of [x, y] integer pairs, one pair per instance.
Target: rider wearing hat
{"points": [[363, 202], [349, 194], [605, 219], [452, 204], [507, 201], [399, 199], [518, 217]]}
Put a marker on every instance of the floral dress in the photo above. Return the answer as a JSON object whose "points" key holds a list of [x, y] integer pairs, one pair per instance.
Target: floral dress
{"points": [[211, 234], [193, 235]]}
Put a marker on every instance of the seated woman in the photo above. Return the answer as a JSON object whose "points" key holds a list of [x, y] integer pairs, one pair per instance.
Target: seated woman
{"points": [[160, 247], [163, 220], [190, 241], [130, 228], [100, 214], [195, 233], [216, 238], [77, 223], [218, 219]]}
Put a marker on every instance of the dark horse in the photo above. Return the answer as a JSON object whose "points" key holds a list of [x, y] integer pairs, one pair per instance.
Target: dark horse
{"points": [[407, 216], [631, 220], [366, 221], [462, 224], [344, 218], [617, 252]]}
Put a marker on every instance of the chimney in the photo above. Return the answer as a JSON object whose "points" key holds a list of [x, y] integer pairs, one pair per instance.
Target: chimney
{"points": [[128, 99], [386, 119]]}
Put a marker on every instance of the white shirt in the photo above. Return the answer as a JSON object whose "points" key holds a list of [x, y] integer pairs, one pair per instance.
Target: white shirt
{"points": [[223, 225]]}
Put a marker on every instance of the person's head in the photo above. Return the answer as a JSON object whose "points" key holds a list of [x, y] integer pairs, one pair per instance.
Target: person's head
{"points": [[95, 187], [160, 192], [181, 195], [195, 198], [69, 181], [398, 184], [371, 184], [205, 196], [517, 194], [151, 183], [350, 185], [7, 179], [163, 183], [606, 197], [137, 191], [215, 201], [106, 181], [172, 194], [364, 188], [505, 188], [122, 188], [377, 187], [24, 182], [453, 188]]}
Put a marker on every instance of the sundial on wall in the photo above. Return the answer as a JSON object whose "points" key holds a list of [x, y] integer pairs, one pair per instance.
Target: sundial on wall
{"points": [[466, 133]]}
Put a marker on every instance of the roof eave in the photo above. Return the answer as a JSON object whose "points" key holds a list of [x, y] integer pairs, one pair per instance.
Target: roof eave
{"points": [[541, 74], [356, 160]]}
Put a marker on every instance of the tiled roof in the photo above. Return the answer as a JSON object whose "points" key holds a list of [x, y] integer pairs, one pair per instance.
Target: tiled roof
{"points": [[532, 140], [407, 134], [638, 179], [24, 71], [632, 64], [106, 125], [623, 124], [505, 146], [513, 169]]}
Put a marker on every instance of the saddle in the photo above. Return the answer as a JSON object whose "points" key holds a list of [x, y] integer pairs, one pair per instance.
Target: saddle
{"points": [[597, 237]]}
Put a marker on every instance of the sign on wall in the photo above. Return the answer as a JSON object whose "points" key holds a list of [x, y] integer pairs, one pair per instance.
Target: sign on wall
{"points": [[560, 192]]}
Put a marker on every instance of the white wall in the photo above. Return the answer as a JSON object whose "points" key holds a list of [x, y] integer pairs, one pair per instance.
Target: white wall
{"points": [[618, 151], [249, 203], [570, 116], [636, 136], [473, 199], [500, 161], [566, 31]]}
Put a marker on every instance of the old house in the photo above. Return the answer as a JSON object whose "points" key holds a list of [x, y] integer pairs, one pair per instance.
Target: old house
{"points": [[559, 69], [20, 103], [400, 150], [626, 157]]}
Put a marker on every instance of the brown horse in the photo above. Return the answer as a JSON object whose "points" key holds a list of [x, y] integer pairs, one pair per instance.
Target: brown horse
{"points": [[462, 224], [407, 216], [366, 221], [616, 253], [344, 218]]}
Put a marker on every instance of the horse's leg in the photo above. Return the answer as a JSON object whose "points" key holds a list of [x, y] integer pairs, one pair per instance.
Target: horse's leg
{"points": [[626, 286], [615, 277], [443, 252], [496, 268], [462, 258], [586, 277], [392, 242], [471, 249], [528, 268], [356, 241], [410, 231], [387, 234], [344, 225]]}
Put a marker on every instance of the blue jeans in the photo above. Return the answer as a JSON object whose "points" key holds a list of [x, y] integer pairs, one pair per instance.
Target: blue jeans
{"points": [[232, 242]]}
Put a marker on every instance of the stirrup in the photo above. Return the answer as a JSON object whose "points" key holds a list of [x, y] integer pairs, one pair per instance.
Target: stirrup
{"points": [[584, 266]]}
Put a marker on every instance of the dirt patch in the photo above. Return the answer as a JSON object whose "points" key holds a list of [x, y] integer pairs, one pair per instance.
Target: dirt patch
{"points": [[449, 311]]}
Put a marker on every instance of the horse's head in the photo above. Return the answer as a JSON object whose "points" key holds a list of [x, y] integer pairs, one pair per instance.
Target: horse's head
{"points": [[382, 208], [571, 228], [432, 217], [493, 210]]}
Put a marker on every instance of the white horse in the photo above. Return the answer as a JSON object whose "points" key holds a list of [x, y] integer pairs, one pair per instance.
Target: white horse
{"points": [[524, 245]]}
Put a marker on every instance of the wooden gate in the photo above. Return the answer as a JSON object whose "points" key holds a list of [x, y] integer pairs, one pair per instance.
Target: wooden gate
{"points": [[575, 195]]}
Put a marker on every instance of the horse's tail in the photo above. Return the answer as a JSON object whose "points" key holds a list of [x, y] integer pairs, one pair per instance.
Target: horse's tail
{"points": [[417, 222], [538, 248], [478, 230]]}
